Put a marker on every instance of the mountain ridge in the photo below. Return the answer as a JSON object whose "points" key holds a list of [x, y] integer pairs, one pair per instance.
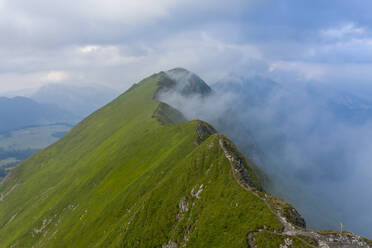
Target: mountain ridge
{"points": [[122, 178]]}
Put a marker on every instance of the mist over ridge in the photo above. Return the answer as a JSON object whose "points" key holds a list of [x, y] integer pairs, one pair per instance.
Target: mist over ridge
{"points": [[312, 140]]}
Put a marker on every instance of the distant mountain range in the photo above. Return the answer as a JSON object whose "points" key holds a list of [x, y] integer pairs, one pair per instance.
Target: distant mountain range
{"points": [[19, 112], [33, 122], [52, 104], [342, 104], [78, 100]]}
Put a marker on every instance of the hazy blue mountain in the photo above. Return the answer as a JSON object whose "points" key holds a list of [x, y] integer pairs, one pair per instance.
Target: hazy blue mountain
{"points": [[19, 112], [344, 104], [49, 105], [80, 100]]}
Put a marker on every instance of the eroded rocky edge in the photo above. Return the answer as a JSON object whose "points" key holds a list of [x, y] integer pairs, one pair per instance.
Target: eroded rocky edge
{"points": [[293, 223]]}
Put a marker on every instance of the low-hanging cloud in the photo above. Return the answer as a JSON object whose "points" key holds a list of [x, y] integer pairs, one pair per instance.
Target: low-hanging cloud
{"points": [[313, 142]]}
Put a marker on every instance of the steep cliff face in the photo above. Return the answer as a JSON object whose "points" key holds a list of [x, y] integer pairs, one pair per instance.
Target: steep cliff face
{"points": [[137, 174]]}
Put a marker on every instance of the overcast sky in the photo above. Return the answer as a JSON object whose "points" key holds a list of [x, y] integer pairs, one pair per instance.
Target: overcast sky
{"points": [[116, 42]]}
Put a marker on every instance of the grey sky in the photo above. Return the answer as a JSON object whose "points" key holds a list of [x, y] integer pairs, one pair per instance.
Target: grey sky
{"points": [[116, 43]]}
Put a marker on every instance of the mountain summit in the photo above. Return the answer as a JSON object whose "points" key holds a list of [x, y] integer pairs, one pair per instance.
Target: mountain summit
{"points": [[188, 83], [137, 174]]}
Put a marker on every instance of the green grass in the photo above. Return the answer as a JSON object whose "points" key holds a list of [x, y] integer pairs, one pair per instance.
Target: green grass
{"points": [[266, 239], [116, 180]]}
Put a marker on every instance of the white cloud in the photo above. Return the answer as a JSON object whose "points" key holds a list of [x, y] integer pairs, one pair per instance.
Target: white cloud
{"points": [[18, 81], [109, 10], [125, 12], [117, 43], [105, 55], [54, 76], [301, 70], [342, 31], [128, 12], [356, 48], [89, 48]]}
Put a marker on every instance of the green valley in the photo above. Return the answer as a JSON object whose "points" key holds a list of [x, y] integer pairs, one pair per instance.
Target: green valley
{"points": [[18, 145]]}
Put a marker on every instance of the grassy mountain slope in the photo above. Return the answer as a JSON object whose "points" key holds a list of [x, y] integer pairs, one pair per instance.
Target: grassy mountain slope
{"points": [[133, 174]]}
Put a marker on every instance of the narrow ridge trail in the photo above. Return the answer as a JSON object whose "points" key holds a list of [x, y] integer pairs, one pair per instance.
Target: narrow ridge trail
{"points": [[331, 240]]}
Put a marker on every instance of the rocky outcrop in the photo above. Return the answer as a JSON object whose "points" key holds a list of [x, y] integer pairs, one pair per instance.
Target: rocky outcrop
{"points": [[204, 130], [344, 240], [294, 217], [243, 174], [183, 205], [170, 244], [196, 193], [312, 239]]}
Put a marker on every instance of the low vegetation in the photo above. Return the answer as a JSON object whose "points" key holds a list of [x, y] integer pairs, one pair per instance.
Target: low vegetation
{"points": [[134, 175]]}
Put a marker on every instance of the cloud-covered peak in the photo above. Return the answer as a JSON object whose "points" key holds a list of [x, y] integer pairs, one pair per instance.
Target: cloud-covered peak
{"points": [[187, 82]]}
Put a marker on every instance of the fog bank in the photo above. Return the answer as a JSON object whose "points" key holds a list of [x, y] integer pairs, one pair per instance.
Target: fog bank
{"points": [[314, 141]]}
